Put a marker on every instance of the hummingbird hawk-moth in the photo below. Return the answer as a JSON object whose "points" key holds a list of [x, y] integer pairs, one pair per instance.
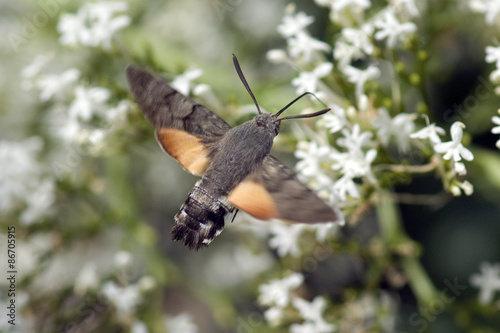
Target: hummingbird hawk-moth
{"points": [[236, 168]]}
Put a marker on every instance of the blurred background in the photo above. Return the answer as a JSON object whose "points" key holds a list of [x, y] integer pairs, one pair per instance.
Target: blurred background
{"points": [[92, 216]]}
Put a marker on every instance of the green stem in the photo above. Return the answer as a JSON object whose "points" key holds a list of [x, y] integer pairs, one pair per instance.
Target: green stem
{"points": [[395, 238]]}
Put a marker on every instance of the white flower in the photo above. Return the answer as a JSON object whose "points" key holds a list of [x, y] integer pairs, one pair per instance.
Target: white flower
{"points": [[340, 5], [277, 292], [294, 24], [355, 43], [181, 323], [87, 279], [54, 85], [454, 148], [274, 315], [304, 46], [392, 30], [459, 168], [118, 113], [138, 327], [334, 120], [345, 186], [93, 25], [359, 76], [39, 202], [400, 127], [354, 140], [183, 82], [307, 81], [431, 132], [23, 183], [122, 259], [323, 230], [276, 56], [312, 313], [34, 69], [310, 155], [88, 102], [125, 299], [284, 238], [488, 281], [493, 55], [465, 186], [496, 129], [491, 9]]}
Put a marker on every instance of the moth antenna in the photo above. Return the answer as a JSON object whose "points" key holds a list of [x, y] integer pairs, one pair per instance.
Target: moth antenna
{"points": [[244, 81], [309, 115], [296, 99], [315, 114]]}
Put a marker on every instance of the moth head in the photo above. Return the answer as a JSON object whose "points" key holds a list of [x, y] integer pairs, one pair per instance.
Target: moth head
{"points": [[272, 120], [268, 122]]}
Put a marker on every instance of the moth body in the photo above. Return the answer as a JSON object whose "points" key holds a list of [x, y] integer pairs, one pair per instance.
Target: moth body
{"points": [[239, 153], [235, 164]]}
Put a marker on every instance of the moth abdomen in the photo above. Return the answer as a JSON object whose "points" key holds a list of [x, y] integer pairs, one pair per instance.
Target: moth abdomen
{"points": [[200, 219]]}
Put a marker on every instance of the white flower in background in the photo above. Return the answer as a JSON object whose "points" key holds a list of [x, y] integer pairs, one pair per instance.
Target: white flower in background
{"points": [[122, 259], [359, 76], [491, 9], [93, 25], [496, 129], [312, 313], [340, 5], [274, 315], [310, 155], [88, 102], [454, 148], [354, 44], [459, 168], [343, 187], [488, 281], [334, 120], [400, 127], [294, 24], [277, 292], [34, 69], [354, 140], [284, 238], [308, 81], [323, 230], [87, 279], [431, 132], [457, 187], [183, 82], [125, 299], [138, 327], [54, 85], [181, 323], [23, 183], [304, 46], [39, 201], [493, 55], [391, 29]]}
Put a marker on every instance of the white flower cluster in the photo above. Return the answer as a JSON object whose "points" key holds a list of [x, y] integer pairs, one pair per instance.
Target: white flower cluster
{"points": [[341, 168], [24, 184], [93, 25], [488, 281], [278, 296], [82, 114]]}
